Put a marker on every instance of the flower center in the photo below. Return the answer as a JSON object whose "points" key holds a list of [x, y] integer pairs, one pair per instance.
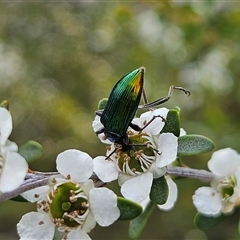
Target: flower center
{"points": [[68, 205], [226, 186], [139, 158]]}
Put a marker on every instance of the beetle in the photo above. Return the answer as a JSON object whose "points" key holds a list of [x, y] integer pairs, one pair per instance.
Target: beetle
{"points": [[122, 106]]}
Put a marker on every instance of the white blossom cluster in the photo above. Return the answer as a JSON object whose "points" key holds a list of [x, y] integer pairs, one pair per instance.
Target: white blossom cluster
{"points": [[70, 205], [224, 193]]}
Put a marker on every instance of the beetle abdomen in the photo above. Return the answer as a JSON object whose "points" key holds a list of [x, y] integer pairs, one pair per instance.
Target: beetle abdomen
{"points": [[123, 102]]}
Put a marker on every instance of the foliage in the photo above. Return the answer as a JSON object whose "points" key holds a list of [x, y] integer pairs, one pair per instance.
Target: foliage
{"points": [[58, 60]]}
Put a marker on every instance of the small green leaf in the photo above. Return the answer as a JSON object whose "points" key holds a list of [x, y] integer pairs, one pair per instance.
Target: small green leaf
{"points": [[128, 209], [5, 104], [31, 150], [173, 123], [137, 225], [102, 103], [193, 145], [177, 108], [159, 190], [205, 223], [19, 198], [178, 163]]}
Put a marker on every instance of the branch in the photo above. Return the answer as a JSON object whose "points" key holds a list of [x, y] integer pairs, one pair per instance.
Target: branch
{"points": [[32, 180], [202, 175], [38, 179]]}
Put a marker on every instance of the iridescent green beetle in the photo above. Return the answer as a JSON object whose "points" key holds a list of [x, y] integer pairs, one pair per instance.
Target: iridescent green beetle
{"points": [[122, 105]]}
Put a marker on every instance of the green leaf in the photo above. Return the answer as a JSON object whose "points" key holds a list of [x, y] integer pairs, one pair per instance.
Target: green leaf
{"points": [[159, 190], [177, 108], [178, 163], [31, 150], [173, 123], [206, 222], [128, 209], [5, 104], [193, 145], [137, 225], [102, 103], [19, 198]]}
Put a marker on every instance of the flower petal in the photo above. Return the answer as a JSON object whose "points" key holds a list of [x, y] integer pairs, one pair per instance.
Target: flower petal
{"points": [[157, 124], [106, 170], [156, 171], [9, 146], [224, 162], [13, 172], [5, 125], [144, 203], [76, 163], [110, 150], [96, 124], [87, 186], [77, 234], [103, 203], [35, 226], [207, 201], [237, 175], [122, 178], [89, 223], [172, 197], [167, 146], [36, 194], [182, 132], [137, 188]]}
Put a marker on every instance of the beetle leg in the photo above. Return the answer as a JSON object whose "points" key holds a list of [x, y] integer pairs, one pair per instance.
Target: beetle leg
{"points": [[99, 131], [135, 127], [116, 149], [150, 121], [144, 95], [99, 112], [145, 101], [145, 145], [165, 99], [154, 149]]}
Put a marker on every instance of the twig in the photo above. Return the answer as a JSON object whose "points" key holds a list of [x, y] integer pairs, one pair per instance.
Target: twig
{"points": [[38, 179], [202, 175], [28, 184]]}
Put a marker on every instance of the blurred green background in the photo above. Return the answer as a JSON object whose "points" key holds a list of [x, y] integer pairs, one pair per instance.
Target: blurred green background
{"points": [[57, 60]]}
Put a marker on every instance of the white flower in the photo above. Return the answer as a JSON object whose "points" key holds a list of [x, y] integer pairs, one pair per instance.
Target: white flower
{"points": [[224, 193], [147, 159], [70, 202], [13, 167], [5, 125], [172, 196]]}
